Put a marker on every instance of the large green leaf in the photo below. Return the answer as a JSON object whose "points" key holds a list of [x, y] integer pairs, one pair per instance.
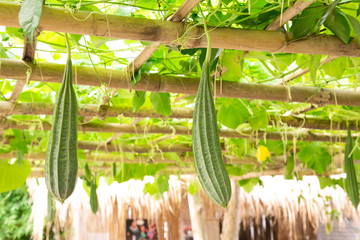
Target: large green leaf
{"points": [[29, 17], [259, 119], [233, 62], [315, 157], [335, 68], [337, 23], [158, 187], [232, 113], [136, 171], [248, 184], [313, 67], [355, 25], [12, 175], [161, 103], [308, 20], [138, 100]]}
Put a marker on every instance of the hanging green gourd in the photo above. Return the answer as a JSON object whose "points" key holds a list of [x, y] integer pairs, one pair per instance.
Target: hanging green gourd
{"points": [[209, 164], [61, 164], [94, 204], [350, 180]]}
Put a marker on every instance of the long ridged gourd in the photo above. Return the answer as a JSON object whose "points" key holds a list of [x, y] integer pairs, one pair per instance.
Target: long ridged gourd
{"points": [[209, 164], [350, 181], [61, 164]]}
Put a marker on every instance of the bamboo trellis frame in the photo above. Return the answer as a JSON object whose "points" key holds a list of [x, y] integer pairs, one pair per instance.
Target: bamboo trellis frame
{"points": [[166, 32]]}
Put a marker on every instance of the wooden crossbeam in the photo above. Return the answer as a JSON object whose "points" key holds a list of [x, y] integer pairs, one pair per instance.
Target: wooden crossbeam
{"points": [[168, 32], [305, 135], [176, 112], [291, 12], [109, 158], [50, 72], [7, 108]]}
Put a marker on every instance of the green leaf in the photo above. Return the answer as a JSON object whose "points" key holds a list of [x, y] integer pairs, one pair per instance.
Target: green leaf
{"points": [[162, 182], [335, 68], [87, 172], [233, 61], [290, 164], [137, 171], [315, 157], [138, 100], [307, 21], [232, 113], [153, 190], [13, 176], [136, 77], [328, 182], [19, 145], [355, 25], [29, 17], [336, 22], [194, 187], [161, 103], [15, 32], [313, 67], [248, 184], [259, 120]]}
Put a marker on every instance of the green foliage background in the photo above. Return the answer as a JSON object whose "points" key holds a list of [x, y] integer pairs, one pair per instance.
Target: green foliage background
{"points": [[15, 210]]}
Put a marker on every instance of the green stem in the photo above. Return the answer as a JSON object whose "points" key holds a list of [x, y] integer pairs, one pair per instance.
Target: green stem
{"points": [[68, 47], [208, 51]]}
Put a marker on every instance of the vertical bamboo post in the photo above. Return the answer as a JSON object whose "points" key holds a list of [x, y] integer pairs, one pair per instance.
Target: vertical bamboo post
{"points": [[231, 222], [197, 216]]}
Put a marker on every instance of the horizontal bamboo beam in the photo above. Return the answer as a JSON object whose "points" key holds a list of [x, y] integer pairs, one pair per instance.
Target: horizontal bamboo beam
{"points": [[172, 33], [109, 158], [50, 72], [7, 108], [177, 130], [112, 147], [282, 171]]}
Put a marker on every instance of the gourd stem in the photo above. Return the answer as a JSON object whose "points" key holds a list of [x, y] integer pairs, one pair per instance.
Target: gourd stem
{"points": [[208, 50], [68, 47]]}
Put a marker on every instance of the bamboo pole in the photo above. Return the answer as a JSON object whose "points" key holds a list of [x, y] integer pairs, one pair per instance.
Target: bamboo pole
{"points": [[168, 32], [7, 108], [231, 222], [291, 12], [197, 216], [145, 159], [112, 147], [50, 72], [178, 130], [281, 171]]}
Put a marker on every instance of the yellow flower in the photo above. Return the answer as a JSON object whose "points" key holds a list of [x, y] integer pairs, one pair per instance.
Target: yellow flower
{"points": [[262, 153]]}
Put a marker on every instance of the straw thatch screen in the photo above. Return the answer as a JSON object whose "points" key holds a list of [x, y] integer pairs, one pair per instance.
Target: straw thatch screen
{"points": [[292, 210]]}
